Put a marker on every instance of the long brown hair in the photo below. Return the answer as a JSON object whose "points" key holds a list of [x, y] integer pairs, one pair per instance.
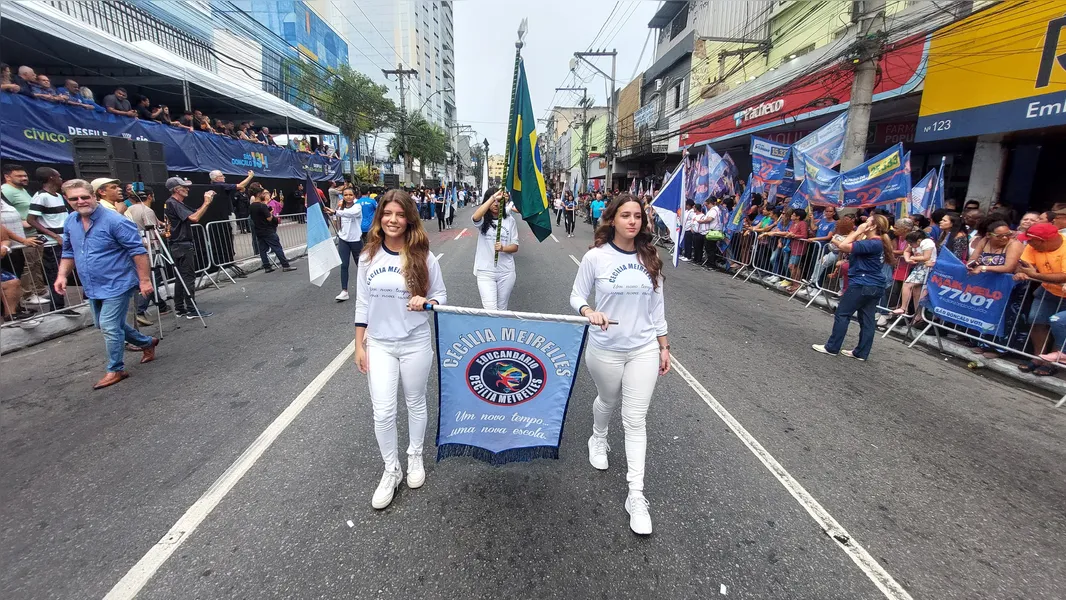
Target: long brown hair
{"points": [[646, 252], [882, 227], [415, 242]]}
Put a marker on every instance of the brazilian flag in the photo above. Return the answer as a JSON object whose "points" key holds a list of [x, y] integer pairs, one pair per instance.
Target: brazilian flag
{"points": [[525, 178]]}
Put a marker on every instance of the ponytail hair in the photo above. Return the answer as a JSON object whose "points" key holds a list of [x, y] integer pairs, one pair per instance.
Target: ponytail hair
{"points": [[882, 226]]}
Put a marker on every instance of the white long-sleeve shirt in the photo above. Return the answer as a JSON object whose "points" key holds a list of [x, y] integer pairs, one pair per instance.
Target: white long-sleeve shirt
{"points": [[625, 294], [486, 246], [381, 297], [351, 219]]}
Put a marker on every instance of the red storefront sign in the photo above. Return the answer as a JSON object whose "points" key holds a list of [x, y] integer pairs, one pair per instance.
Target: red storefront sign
{"points": [[788, 137], [888, 134], [900, 69]]}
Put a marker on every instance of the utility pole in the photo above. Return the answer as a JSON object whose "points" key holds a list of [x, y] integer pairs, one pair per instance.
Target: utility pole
{"points": [[611, 125], [549, 143], [584, 132], [400, 74], [869, 42], [459, 129]]}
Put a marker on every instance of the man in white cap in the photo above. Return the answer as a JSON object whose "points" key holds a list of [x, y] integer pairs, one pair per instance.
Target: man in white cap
{"points": [[109, 193], [180, 219]]}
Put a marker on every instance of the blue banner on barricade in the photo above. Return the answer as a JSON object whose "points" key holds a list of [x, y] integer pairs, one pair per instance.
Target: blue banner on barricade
{"points": [[38, 131], [973, 301], [505, 384]]}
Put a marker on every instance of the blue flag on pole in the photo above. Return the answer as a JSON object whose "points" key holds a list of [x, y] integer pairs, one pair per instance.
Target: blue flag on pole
{"points": [[877, 181], [820, 186], [322, 256], [974, 301], [768, 159], [505, 385], [669, 204], [938, 190], [736, 218], [921, 198], [703, 177], [824, 146]]}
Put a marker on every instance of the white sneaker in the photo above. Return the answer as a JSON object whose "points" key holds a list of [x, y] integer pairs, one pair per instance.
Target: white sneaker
{"points": [[850, 354], [882, 321], [416, 472], [341, 297], [821, 348], [639, 518], [598, 452], [685, 259], [35, 299], [772, 280], [386, 489]]}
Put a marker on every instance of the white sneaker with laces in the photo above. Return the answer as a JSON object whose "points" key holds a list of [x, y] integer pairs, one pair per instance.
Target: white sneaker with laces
{"points": [[850, 354], [390, 480], [416, 472], [639, 518], [598, 452], [35, 299], [821, 348], [341, 297]]}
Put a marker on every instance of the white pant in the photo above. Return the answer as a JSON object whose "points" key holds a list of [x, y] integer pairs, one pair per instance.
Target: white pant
{"points": [[390, 363], [629, 378], [495, 288]]}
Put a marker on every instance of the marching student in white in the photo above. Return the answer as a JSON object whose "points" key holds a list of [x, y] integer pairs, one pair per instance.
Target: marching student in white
{"points": [[624, 269], [495, 280], [397, 276], [349, 236]]}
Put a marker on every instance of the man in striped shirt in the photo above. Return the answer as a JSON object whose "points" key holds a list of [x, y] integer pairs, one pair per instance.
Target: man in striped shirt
{"points": [[48, 211]]}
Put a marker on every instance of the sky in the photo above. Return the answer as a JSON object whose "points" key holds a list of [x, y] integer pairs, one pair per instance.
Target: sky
{"points": [[485, 33]]}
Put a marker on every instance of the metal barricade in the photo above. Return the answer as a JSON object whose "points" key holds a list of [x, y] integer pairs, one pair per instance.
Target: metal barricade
{"points": [[31, 294], [292, 231], [827, 280], [232, 242], [737, 252]]}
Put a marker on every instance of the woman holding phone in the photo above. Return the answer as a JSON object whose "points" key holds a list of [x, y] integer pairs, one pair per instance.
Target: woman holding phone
{"points": [[624, 269], [398, 276]]}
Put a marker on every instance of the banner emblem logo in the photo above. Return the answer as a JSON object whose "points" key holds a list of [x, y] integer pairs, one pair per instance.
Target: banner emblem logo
{"points": [[505, 377]]}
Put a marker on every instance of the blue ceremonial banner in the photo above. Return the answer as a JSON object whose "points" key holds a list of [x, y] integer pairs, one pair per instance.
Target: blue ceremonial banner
{"points": [[768, 159], [824, 146], [884, 179], [38, 131], [973, 301], [505, 384], [668, 204]]}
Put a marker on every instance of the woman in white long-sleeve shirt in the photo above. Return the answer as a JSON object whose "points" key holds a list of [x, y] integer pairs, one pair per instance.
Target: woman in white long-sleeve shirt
{"points": [[495, 280], [349, 235], [397, 276], [624, 269]]}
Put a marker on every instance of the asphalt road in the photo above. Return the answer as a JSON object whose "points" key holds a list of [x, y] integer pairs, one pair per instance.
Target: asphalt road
{"points": [[954, 483]]}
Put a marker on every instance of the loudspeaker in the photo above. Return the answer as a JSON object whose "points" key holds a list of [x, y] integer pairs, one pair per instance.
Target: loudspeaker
{"points": [[431, 184], [392, 181], [146, 151], [151, 172], [104, 156], [123, 170]]}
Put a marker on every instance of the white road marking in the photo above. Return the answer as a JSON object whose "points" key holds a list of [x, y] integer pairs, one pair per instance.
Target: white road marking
{"points": [[858, 554], [440, 255], [350, 524], [576, 261], [133, 581], [460, 234], [723, 590], [555, 238]]}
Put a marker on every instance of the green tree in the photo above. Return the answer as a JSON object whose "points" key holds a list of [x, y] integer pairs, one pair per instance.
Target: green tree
{"points": [[347, 98], [424, 140]]}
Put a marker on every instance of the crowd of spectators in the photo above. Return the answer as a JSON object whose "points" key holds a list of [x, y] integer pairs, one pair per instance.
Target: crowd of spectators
{"points": [[28, 83]]}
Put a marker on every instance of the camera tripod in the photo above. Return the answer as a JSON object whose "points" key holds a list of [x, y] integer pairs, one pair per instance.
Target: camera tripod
{"points": [[158, 258]]}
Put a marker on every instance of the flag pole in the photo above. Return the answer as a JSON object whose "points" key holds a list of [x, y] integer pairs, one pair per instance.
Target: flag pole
{"points": [[509, 147]]}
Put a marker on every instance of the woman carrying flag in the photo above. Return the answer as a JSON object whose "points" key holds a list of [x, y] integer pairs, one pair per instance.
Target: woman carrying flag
{"points": [[398, 275], [624, 269], [495, 279]]}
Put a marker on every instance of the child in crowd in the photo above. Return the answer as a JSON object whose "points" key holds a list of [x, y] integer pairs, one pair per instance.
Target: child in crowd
{"points": [[920, 253]]}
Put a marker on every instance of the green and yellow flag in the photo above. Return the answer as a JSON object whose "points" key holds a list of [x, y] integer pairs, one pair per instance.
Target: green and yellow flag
{"points": [[525, 179]]}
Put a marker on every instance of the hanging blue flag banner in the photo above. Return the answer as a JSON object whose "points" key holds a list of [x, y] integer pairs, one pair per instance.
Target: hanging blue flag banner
{"points": [[973, 301], [788, 185], [884, 179], [730, 173], [736, 218], [921, 198], [703, 171], [768, 159], [505, 384], [824, 146], [820, 187]]}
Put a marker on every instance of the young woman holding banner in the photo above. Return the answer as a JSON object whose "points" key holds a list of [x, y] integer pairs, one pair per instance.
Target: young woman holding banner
{"points": [[624, 269], [495, 279], [398, 275]]}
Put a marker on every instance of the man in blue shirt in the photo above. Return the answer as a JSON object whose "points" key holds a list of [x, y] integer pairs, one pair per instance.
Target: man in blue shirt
{"points": [[597, 208], [368, 205], [112, 265]]}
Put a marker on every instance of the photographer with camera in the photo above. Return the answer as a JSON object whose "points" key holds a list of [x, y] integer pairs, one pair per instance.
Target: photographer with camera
{"points": [[180, 219]]}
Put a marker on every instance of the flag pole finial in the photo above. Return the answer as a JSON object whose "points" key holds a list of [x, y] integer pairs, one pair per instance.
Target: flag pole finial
{"points": [[522, 29]]}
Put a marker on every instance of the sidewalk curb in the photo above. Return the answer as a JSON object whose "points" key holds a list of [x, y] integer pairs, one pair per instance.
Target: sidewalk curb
{"points": [[1001, 367], [14, 338]]}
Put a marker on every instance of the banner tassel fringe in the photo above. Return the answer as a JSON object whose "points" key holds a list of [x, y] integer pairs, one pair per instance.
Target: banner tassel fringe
{"points": [[497, 458]]}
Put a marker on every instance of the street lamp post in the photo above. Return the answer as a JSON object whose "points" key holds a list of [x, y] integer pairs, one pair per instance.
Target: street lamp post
{"points": [[485, 167]]}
